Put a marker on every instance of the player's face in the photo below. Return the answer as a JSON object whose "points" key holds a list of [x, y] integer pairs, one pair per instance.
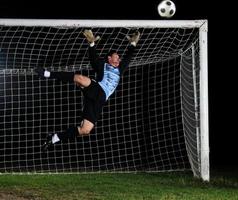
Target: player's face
{"points": [[114, 60]]}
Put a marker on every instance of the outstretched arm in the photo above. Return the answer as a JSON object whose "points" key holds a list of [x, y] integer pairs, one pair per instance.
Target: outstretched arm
{"points": [[127, 58], [93, 57]]}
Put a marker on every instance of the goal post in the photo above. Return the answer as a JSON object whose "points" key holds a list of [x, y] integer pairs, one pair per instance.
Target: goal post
{"points": [[204, 101], [157, 120]]}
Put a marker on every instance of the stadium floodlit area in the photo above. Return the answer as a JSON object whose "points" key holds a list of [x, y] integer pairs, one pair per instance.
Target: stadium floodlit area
{"points": [[157, 120]]}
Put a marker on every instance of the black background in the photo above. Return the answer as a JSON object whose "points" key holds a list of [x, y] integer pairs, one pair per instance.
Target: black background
{"points": [[221, 57]]}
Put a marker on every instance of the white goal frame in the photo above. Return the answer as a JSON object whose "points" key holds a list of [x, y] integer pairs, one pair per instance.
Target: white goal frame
{"points": [[202, 25]]}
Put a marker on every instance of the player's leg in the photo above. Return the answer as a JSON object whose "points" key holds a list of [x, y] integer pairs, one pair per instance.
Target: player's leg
{"points": [[94, 99], [85, 128], [73, 132], [64, 136], [69, 135], [82, 81], [78, 79], [61, 76]]}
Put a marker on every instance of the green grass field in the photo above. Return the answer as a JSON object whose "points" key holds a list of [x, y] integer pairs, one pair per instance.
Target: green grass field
{"points": [[159, 186]]}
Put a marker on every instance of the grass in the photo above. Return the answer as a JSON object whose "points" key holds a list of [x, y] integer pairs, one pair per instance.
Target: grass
{"points": [[159, 186]]}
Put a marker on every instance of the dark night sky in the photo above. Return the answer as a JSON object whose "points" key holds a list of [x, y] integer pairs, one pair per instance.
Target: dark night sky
{"points": [[220, 56], [132, 9]]}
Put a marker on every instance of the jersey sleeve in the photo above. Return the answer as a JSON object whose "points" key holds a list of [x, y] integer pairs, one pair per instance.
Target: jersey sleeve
{"points": [[127, 58], [96, 63]]}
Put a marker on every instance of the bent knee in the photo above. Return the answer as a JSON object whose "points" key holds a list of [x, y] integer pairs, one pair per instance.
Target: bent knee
{"points": [[85, 131], [82, 80], [78, 78]]}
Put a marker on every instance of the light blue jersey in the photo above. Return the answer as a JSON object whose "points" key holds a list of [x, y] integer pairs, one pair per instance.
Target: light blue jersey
{"points": [[110, 81]]}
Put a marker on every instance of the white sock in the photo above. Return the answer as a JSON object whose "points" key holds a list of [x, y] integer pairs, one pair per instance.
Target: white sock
{"points": [[55, 138], [46, 74]]}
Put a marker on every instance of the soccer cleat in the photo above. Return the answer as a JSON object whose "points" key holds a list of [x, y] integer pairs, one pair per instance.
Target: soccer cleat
{"points": [[40, 72], [48, 142]]}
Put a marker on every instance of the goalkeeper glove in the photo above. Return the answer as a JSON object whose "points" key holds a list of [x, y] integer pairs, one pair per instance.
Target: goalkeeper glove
{"points": [[134, 38], [90, 37]]}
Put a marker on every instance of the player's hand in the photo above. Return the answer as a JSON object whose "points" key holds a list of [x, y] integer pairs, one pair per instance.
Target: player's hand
{"points": [[89, 36], [134, 38]]}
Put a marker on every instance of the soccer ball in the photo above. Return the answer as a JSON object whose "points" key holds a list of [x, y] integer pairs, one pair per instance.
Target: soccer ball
{"points": [[166, 8]]}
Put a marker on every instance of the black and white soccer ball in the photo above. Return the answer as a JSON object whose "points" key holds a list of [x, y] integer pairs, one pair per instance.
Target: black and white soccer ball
{"points": [[166, 8]]}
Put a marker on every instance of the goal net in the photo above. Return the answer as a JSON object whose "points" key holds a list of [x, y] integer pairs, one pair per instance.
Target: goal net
{"points": [[157, 120]]}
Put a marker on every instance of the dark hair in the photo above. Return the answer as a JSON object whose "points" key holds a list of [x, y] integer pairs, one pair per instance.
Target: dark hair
{"points": [[110, 54]]}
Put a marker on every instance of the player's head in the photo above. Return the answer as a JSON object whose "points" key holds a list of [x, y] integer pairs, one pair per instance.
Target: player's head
{"points": [[113, 58]]}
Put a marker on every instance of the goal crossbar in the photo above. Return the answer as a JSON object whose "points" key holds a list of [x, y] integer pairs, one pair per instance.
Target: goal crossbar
{"points": [[104, 23]]}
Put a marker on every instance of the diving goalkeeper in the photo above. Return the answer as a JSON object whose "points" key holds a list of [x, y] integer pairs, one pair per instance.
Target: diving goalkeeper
{"points": [[95, 92]]}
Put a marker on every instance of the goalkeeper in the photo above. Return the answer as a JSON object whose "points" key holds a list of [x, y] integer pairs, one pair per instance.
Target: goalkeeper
{"points": [[96, 92]]}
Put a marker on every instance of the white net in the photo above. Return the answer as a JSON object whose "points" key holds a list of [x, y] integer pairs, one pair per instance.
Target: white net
{"points": [[24, 47], [145, 125], [191, 105]]}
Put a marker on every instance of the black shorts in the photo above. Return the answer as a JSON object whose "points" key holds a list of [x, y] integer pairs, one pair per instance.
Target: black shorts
{"points": [[94, 100]]}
